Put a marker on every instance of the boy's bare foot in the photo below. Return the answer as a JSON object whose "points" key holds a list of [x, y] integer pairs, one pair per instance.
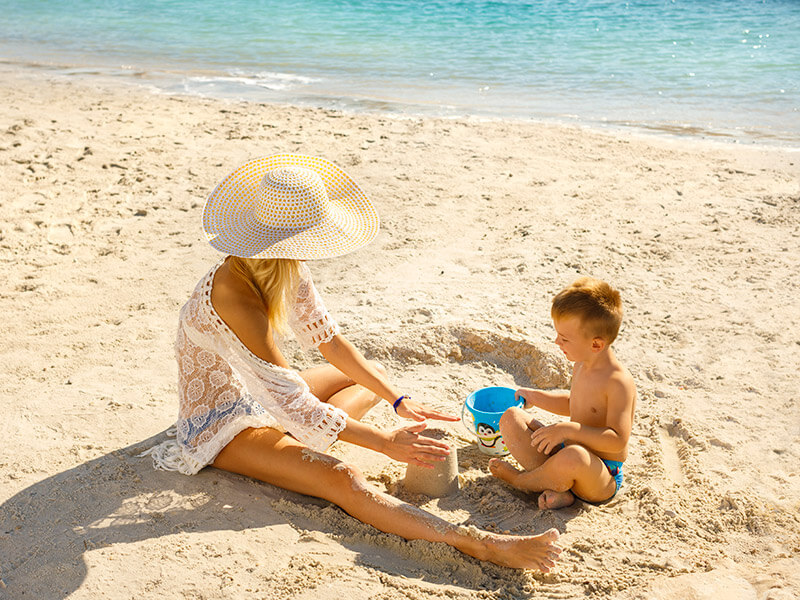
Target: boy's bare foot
{"points": [[525, 552], [549, 499], [503, 470]]}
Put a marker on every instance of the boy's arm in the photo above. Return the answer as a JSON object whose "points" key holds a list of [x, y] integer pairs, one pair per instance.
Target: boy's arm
{"points": [[611, 439], [555, 402]]}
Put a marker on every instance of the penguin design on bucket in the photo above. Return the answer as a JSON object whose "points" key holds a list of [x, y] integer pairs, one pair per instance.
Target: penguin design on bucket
{"points": [[487, 436]]}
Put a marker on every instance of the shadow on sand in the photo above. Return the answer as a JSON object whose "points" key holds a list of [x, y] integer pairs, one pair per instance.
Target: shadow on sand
{"points": [[118, 498]]}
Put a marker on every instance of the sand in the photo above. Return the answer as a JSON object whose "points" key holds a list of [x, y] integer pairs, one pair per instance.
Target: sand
{"points": [[437, 479], [482, 223]]}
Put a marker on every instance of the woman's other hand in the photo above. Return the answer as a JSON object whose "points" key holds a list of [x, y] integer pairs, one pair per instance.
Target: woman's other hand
{"points": [[410, 409], [406, 445]]}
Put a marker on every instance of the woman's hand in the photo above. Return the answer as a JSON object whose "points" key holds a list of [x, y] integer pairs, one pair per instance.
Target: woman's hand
{"points": [[406, 445], [411, 409]]}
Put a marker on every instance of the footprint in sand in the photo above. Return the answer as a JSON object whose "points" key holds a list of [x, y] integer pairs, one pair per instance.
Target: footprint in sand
{"points": [[671, 458], [60, 234]]}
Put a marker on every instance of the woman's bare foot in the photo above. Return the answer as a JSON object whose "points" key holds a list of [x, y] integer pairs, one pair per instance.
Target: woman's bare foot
{"points": [[549, 499], [523, 552], [504, 470]]}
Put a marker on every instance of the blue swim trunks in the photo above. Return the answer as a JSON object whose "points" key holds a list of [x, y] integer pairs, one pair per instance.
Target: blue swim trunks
{"points": [[615, 469]]}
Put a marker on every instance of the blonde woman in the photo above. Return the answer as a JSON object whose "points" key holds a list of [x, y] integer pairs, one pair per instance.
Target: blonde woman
{"points": [[245, 410]]}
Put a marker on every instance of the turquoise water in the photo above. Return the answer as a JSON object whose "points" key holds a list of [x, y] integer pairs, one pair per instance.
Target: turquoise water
{"points": [[728, 68]]}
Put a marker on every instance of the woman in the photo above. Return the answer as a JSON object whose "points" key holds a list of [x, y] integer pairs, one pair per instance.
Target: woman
{"points": [[244, 410]]}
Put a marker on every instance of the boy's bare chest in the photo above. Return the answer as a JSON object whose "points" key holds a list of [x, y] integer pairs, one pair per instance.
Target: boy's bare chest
{"points": [[588, 402]]}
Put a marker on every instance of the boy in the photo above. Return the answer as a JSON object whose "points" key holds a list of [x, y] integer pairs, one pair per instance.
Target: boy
{"points": [[581, 457]]}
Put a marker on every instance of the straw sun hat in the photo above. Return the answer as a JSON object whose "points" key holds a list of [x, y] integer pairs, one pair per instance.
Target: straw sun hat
{"points": [[289, 206]]}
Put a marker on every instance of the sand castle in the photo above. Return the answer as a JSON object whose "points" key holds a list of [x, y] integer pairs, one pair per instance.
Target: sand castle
{"points": [[442, 479]]}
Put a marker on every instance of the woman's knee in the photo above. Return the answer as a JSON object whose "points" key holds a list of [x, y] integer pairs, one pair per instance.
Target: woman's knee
{"points": [[346, 480]]}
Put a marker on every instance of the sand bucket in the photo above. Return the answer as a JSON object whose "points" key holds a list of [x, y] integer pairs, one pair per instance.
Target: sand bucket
{"points": [[481, 415]]}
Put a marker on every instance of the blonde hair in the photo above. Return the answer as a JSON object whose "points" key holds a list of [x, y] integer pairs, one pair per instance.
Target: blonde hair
{"points": [[272, 280], [595, 303]]}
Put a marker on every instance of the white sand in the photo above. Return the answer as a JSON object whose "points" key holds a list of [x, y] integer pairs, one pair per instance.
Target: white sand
{"points": [[100, 244]]}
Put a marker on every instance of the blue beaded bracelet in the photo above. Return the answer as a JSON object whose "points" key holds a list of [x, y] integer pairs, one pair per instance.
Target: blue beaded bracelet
{"points": [[399, 400]]}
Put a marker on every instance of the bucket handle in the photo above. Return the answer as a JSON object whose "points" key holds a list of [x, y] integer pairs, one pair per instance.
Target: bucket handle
{"points": [[463, 421], [520, 402]]}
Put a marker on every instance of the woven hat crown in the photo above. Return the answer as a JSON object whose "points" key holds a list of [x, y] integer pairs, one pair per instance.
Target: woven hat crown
{"points": [[289, 206], [291, 198]]}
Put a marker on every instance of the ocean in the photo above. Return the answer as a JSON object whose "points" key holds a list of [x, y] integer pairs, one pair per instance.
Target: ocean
{"points": [[723, 69]]}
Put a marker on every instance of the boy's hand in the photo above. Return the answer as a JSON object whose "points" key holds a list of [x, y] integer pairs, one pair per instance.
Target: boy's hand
{"points": [[547, 439], [526, 394]]}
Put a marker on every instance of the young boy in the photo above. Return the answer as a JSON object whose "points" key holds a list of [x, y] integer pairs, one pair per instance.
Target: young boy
{"points": [[581, 457]]}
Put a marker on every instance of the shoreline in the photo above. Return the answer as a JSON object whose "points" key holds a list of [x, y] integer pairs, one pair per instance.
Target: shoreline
{"points": [[481, 224], [168, 83]]}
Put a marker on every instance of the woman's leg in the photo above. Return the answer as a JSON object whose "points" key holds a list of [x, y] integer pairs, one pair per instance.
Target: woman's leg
{"points": [[273, 457], [329, 384]]}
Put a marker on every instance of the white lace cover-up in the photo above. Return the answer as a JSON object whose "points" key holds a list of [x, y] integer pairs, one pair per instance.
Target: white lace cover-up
{"points": [[224, 388]]}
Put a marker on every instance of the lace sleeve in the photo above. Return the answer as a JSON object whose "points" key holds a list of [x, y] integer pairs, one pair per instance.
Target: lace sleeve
{"points": [[286, 397], [282, 392], [310, 321]]}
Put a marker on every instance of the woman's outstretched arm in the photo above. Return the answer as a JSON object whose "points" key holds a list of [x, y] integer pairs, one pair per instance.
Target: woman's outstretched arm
{"points": [[346, 357], [404, 444]]}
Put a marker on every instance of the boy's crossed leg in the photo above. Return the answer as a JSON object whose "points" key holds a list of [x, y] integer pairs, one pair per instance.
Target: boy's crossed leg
{"points": [[557, 475]]}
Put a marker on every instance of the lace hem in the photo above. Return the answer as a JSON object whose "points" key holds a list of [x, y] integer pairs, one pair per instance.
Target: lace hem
{"points": [[311, 335], [171, 455], [310, 321], [326, 431]]}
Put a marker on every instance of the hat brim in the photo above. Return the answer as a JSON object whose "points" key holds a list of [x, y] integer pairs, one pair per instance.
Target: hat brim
{"points": [[231, 227]]}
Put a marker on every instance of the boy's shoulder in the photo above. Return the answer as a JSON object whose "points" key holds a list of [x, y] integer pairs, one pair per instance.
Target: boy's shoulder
{"points": [[620, 381], [615, 374]]}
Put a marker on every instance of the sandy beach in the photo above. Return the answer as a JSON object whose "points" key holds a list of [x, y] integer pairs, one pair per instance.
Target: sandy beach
{"points": [[483, 222]]}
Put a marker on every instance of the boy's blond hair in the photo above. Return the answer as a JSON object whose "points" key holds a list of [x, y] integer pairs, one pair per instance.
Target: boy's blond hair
{"points": [[595, 303], [273, 280]]}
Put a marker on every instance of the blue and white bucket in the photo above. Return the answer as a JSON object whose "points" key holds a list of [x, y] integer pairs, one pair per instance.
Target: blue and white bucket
{"points": [[481, 416]]}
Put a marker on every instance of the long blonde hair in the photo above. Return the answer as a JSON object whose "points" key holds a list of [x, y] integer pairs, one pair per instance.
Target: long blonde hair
{"points": [[273, 280]]}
